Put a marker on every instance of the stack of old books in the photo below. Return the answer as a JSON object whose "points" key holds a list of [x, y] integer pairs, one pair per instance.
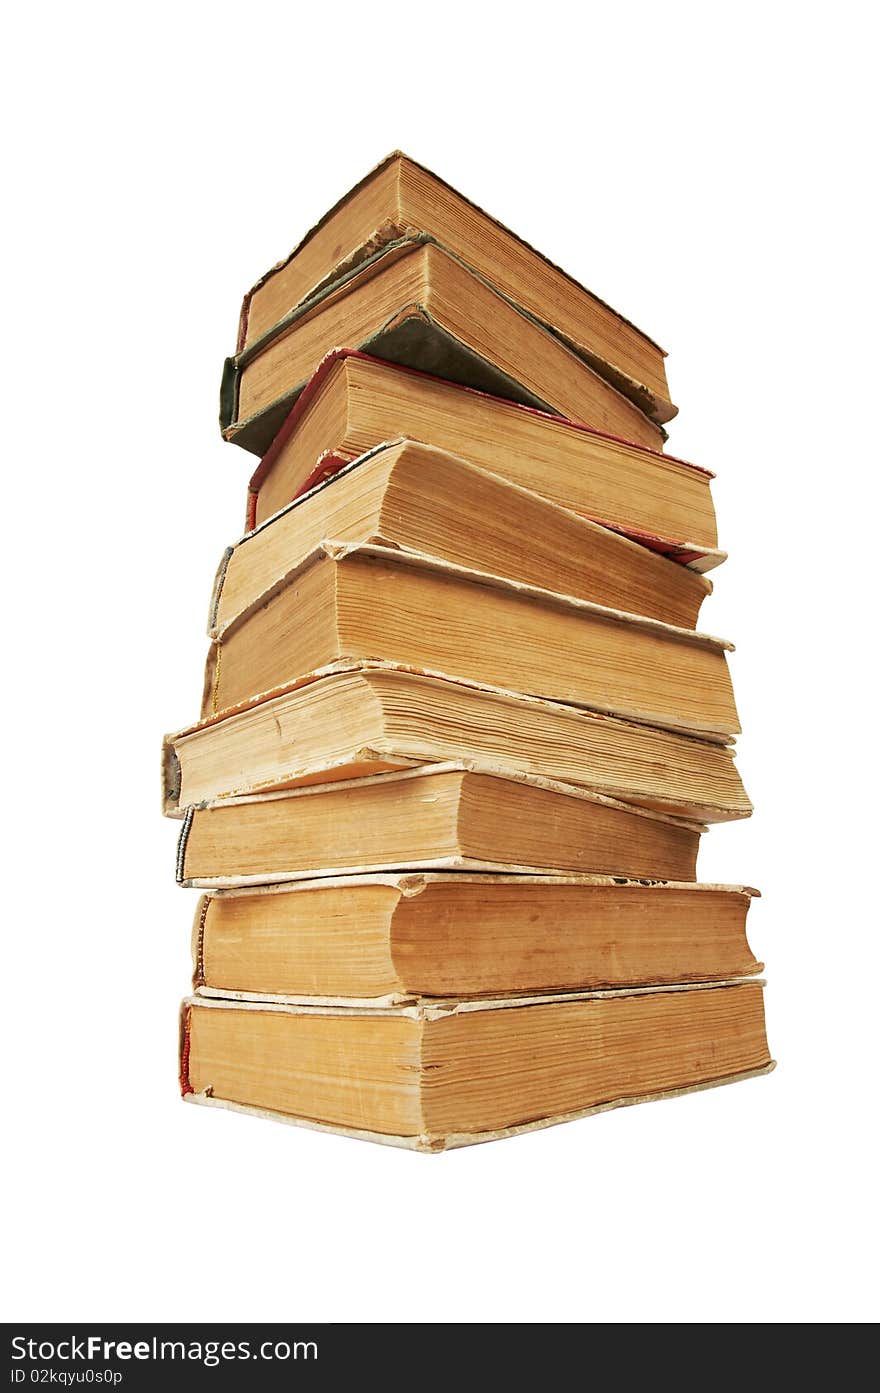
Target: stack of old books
{"points": [[460, 736]]}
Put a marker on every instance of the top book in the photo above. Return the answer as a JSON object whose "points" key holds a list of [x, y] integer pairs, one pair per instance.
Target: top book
{"points": [[400, 199]]}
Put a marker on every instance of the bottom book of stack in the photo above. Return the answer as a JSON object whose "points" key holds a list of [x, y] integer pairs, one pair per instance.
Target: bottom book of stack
{"points": [[437, 1009]]}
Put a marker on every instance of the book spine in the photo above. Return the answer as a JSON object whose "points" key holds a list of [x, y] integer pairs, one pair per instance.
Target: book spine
{"points": [[198, 942], [184, 1049], [243, 316], [212, 681], [181, 846], [228, 394], [218, 587], [171, 777]]}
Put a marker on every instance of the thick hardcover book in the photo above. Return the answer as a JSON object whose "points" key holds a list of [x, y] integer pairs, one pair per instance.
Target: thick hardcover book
{"points": [[440, 817], [436, 1075], [416, 303], [416, 498], [386, 939], [362, 718], [401, 197], [349, 602], [354, 402]]}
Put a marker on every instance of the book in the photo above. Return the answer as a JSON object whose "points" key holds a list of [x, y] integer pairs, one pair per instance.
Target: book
{"points": [[439, 1075], [353, 402], [401, 196], [416, 303], [416, 498], [387, 939], [351, 601], [441, 818], [362, 718]]}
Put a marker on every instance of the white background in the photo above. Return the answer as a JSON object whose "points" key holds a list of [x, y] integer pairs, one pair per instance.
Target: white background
{"points": [[709, 171]]}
